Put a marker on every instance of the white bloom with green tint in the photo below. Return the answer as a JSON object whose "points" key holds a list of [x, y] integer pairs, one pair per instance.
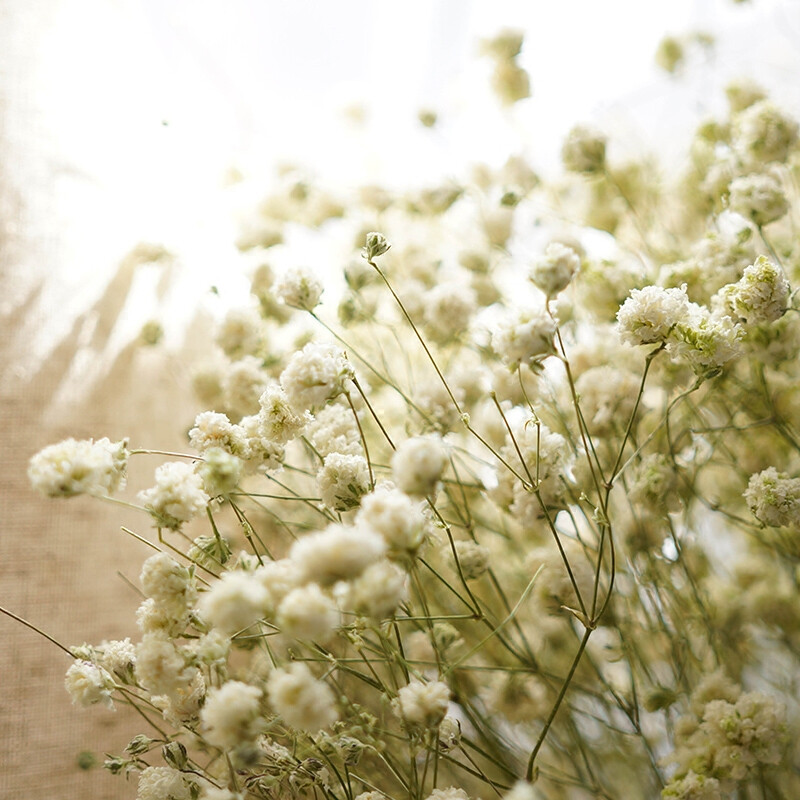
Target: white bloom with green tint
{"points": [[75, 467], [177, 497]]}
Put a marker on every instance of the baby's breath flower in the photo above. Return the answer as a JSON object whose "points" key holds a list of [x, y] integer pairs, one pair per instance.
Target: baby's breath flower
{"points": [[277, 419], [584, 150], [510, 82], [314, 376], [299, 288], [307, 613], [423, 704], [75, 467], [340, 552], [169, 584], [220, 471], [241, 333], [742, 735], [212, 648], [333, 429], [449, 734], [119, 658], [177, 496], [450, 793], [448, 309], [212, 429], [376, 245], [161, 667], [649, 315], [524, 336], [163, 783], [553, 271], [234, 602], [278, 579], [89, 684], [343, 480], [758, 197], [260, 452], [653, 483], [761, 295], [395, 516], [231, 715], [418, 464], [764, 134], [377, 592], [300, 699], [705, 341], [244, 382], [692, 787], [608, 396], [774, 498], [473, 558]]}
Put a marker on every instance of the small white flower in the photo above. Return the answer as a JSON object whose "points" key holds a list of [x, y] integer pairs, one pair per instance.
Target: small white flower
{"points": [[423, 704], [343, 480], [177, 496], [553, 271], [301, 700], [338, 553], [395, 516], [774, 498], [234, 602], [473, 558], [307, 613], [377, 592], [212, 429], [584, 150], [170, 584], [299, 288], [161, 667], [277, 419], [89, 684], [418, 464], [524, 336], [762, 133], [75, 467], [649, 315], [759, 198], [315, 375], [162, 783], [241, 333], [760, 296], [231, 715]]}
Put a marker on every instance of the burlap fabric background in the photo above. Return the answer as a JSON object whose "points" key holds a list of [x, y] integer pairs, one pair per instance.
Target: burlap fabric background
{"points": [[59, 560]]}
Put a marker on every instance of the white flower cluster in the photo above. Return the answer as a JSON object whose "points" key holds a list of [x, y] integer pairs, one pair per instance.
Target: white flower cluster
{"points": [[177, 497], [584, 150], [315, 375], [300, 699], [231, 714], [774, 498], [758, 197], [553, 271], [692, 334], [418, 465], [343, 480], [299, 288], [760, 296], [75, 467], [524, 336], [88, 684], [423, 704]]}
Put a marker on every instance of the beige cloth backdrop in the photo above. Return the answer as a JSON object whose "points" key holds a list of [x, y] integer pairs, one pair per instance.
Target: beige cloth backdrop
{"points": [[59, 560]]}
